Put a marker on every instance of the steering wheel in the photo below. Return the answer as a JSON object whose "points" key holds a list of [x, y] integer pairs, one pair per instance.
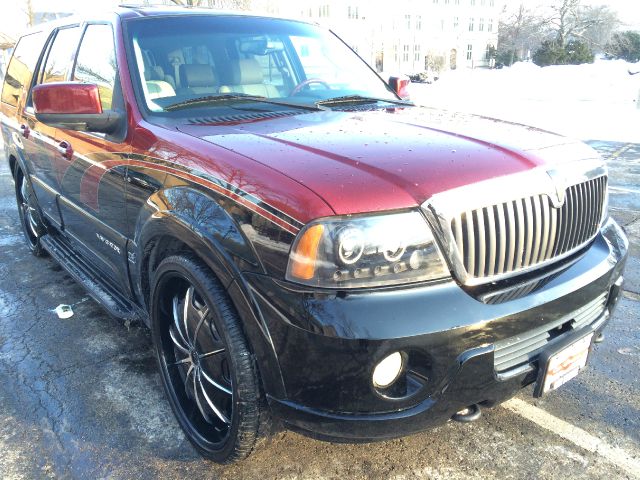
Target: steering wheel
{"points": [[298, 88]]}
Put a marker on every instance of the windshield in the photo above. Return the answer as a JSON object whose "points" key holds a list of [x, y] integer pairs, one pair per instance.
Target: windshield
{"points": [[199, 57]]}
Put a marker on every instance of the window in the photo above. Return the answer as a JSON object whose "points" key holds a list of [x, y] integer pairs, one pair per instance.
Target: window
{"points": [[472, 3], [457, 2], [353, 13], [258, 59], [395, 52], [407, 19], [405, 54], [456, 22], [446, 2], [481, 25], [59, 58], [482, 2], [490, 25], [416, 53], [96, 61], [489, 52], [469, 52], [21, 67], [492, 3], [323, 11], [471, 24], [419, 22]]}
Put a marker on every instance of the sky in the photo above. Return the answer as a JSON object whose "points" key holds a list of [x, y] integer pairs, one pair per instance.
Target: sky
{"points": [[13, 19]]}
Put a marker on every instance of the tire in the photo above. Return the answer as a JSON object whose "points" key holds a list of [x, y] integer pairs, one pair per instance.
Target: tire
{"points": [[30, 220], [208, 372]]}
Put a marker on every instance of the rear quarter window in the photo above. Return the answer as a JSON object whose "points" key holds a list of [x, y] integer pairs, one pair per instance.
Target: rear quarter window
{"points": [[21, 67]]}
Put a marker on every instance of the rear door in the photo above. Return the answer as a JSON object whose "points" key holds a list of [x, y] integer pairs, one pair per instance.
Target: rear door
{"points": [[19, 140], [49, 164], [92, 198]]}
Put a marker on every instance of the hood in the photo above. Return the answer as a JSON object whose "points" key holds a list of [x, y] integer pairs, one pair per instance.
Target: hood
{"points": [[389, 159]]}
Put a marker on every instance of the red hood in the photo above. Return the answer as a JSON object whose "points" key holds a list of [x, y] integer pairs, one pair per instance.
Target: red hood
{"points": [[398, 158]]}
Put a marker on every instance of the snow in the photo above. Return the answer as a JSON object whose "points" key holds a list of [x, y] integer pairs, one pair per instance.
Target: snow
{"points": [[598, 101]]}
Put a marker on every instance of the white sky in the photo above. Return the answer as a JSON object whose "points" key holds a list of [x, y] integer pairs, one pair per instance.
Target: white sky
{"points": [[13, 19]]}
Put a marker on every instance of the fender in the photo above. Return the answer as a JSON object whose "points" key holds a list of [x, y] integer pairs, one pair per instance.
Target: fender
{"points": [[197, 220], [13, 148]]}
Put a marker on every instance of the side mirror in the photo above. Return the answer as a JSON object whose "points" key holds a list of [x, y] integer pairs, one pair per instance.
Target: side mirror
{"points": [[74, 106], [400, 85]]}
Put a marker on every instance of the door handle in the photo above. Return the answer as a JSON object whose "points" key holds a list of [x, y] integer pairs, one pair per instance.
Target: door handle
{"points": [[64, 148], [25, 130], [139, 182]]}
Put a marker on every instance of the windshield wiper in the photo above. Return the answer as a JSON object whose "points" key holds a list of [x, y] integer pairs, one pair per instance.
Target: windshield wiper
{"points": [[360, 99], [229, 97]]}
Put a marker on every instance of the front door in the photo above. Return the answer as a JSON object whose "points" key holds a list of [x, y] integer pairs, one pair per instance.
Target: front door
{"points": [[92, 198]]}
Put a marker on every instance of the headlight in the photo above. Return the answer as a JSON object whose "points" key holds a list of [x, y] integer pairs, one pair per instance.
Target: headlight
{"points": [[366, 251]]}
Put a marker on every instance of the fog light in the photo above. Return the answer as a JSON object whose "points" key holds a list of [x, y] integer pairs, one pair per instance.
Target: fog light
{"points": [[388, 370]]}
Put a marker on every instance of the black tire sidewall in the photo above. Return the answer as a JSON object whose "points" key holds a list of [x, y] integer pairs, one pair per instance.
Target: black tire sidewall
{"points": [[244, 385]]}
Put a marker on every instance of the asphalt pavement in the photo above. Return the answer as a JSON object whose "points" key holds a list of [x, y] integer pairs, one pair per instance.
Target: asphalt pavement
{"points": [[81, 398]]}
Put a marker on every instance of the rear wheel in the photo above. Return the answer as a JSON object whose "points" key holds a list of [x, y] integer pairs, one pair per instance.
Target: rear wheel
{"points": [[32, 226], [207, 369]]}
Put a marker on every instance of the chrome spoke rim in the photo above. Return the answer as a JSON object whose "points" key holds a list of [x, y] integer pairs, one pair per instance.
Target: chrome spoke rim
{"points": [[176, 320], [183, 348], [185, 315], [195, 394], [211, 353], [27, 210], [214, 383], [208, 402], [212, 405]]}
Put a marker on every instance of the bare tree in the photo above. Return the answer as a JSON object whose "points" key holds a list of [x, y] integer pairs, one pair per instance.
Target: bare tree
{"points": [[571, 20], [28, 10], [603, 22], [520, 31]]}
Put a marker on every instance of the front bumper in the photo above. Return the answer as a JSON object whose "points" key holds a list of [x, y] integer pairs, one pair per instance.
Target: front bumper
{"points": [[327, 345]]}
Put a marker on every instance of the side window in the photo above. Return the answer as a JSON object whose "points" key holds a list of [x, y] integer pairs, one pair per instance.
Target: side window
{"points": [[21, 66], [59, 59], [96, 61]]}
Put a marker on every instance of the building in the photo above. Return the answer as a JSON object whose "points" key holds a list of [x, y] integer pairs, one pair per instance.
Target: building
{"points": [[408, 36]]}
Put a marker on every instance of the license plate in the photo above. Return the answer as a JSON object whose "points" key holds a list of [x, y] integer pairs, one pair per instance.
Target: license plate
{"points": [[565, 364]]}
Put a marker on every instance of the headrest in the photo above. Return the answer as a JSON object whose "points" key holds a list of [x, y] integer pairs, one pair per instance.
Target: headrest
{"points": [[151, 70], [247, 72], [154, 73], [197, 75], [175, 57]]}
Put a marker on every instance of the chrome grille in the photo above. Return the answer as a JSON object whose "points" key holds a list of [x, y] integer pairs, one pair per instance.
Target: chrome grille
{"points": [[518, 234], [524, 348]]}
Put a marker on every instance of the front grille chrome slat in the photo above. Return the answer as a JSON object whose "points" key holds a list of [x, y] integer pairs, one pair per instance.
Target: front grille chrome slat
{"points": [[518, 234]]}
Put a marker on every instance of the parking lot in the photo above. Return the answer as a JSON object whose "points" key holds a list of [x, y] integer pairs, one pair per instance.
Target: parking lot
{"points": [[80, 397]]}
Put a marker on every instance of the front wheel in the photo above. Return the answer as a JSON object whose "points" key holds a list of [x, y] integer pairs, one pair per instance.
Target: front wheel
{"points": [[207, 369]]}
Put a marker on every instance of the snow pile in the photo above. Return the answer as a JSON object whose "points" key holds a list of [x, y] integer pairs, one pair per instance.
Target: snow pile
{"points": [[590, 102]]}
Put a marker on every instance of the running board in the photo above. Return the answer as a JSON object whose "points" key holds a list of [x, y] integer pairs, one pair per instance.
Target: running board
{"points": [[111, 299]]}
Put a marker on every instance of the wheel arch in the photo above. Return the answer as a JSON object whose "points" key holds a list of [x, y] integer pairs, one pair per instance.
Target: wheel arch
{"points": [[171, 231]]}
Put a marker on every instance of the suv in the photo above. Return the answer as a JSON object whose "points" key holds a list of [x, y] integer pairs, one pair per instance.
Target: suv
{"points": [[304, 244]]}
